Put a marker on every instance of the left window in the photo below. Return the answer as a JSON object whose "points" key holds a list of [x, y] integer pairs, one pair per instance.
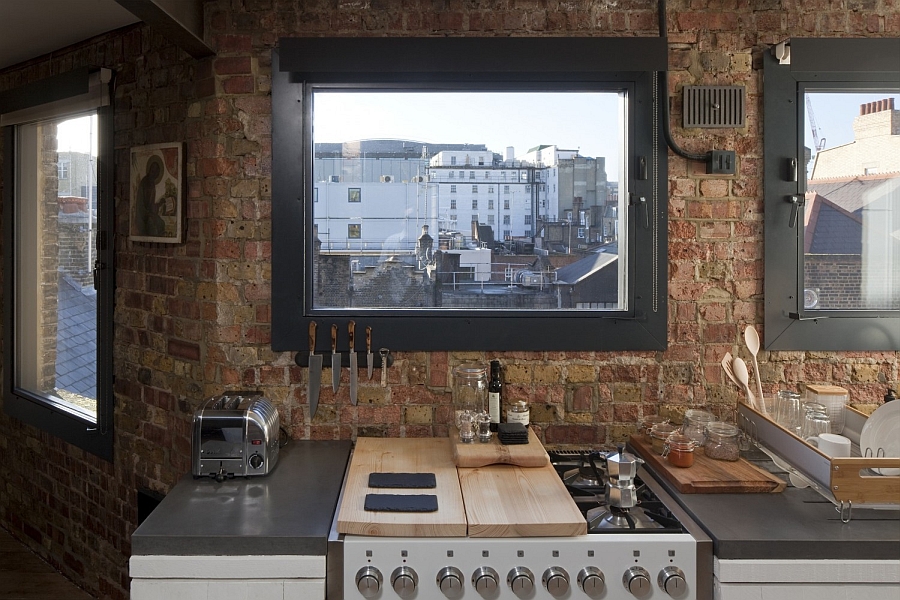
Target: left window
{"points": [[58, 275]]}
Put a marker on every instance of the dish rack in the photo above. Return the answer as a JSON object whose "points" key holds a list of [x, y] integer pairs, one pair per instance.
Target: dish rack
{"points": [[845, 482]]}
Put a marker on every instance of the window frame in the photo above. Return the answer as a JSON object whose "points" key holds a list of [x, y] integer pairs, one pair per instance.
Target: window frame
{"points": [[858, 64], [488, 64], [70, 93]]}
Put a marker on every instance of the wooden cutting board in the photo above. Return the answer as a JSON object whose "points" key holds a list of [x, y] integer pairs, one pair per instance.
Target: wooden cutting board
{"points": [[511, 501], [708, 476], [402, 455], [477, 454]]}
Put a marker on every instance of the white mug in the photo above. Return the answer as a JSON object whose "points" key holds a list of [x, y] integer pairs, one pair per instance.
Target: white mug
{"points": [[831, 444]]}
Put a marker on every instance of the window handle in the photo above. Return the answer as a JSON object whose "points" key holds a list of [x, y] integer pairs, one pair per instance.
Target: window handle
{"points": [[792, 169], [796, 201], [641, 203]]}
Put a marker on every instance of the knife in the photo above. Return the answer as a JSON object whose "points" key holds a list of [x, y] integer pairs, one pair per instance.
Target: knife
{"points": [[370, 358], [335, 361], [351, 329], [315, 373]]}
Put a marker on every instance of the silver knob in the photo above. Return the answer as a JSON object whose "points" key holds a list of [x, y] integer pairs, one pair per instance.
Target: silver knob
{"points": [[450, 580], [637, 581], [256, 461], [591, 581], [404, 581], [521, 581], [368, 582], [672, 581], [556, 580], [484, 580]]}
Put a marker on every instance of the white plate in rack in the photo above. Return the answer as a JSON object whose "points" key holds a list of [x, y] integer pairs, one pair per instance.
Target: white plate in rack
{"points": [[880, 436]]}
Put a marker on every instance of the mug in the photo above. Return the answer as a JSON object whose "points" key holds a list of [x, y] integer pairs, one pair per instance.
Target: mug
{"points": [[831, 444]]}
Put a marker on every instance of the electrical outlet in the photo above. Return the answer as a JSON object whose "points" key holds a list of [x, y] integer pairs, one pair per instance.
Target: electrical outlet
{"points": [[721, 162]]}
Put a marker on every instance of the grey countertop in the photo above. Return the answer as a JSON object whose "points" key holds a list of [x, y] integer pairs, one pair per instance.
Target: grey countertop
{"points": [[288, 511], [797, 523]]}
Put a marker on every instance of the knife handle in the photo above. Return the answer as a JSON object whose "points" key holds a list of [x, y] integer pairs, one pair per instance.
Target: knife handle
{"points": [[333, 338], [351, 333], [312, 337], [368, 339]]}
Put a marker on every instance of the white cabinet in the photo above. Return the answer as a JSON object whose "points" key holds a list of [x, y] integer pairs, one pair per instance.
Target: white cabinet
{"points": [[227, 577], [806, 580]]}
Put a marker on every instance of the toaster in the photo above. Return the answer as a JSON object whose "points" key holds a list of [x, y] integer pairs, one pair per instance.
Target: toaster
{"points": [[235, 435]]}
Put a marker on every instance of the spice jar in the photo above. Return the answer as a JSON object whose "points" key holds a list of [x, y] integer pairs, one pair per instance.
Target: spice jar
{"points": [[694, 425], [679, 450], [722, 441], [518, 413], [648, 422], [659, 433]]}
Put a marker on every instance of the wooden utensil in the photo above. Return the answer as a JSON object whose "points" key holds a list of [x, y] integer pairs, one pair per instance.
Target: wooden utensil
{"points": [[743, 376], [751, 338], [726, 366]]}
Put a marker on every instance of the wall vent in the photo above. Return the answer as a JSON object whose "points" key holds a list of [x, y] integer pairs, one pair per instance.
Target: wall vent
{"points": [[714, 106]]}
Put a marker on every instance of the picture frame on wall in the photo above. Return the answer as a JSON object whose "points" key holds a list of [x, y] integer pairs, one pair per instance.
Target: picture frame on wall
{"points": [[157, 191]]}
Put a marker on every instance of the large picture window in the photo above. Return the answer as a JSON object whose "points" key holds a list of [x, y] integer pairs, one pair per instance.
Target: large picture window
{"points": [[57, 259]]}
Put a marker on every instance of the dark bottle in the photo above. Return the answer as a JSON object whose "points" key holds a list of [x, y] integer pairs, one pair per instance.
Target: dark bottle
{"points": [[495, 388]]}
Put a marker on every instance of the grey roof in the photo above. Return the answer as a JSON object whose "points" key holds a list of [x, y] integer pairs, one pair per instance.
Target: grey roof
{"points": [[585, 267], [76, 340], [832, 230], [852, 194]]}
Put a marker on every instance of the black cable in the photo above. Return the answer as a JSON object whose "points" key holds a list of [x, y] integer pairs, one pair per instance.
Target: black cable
{"points": [[664, 85]]}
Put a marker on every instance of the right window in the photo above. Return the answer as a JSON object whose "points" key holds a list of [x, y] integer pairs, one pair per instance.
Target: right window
{"points": [[832, 219]]}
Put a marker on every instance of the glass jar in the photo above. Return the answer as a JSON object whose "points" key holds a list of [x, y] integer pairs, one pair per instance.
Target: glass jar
{"points": [[679, 450], [469, 389], [648, 422], [722, 441], [519, 413], [694, 425], [659, 433]]}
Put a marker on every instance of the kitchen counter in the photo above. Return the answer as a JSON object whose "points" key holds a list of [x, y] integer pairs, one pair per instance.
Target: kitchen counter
{"points": [[287, 512]]}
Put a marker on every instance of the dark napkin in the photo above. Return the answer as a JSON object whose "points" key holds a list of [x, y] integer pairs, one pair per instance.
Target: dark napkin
{"points": [[401, 503], [512, 433], [402, 480]]}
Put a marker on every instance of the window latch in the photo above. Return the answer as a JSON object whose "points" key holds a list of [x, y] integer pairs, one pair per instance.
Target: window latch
{"points": [[796, 200], [641, 203]]}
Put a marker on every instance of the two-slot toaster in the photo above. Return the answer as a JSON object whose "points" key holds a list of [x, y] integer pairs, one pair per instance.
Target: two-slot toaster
{"points": [[235, 435]]}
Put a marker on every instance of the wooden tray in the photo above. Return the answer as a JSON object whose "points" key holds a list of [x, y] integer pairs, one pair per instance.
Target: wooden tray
{"points": [[402, 455], [511, 501], [477, 454], [708, 476]]}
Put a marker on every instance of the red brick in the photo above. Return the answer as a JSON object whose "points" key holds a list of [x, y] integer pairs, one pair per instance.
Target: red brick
{"points": [[238, 84], [185, 350]]}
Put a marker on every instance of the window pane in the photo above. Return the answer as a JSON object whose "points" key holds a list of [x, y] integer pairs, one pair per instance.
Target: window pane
{"points": [[403, 150], [56, 224], [852, 224]]}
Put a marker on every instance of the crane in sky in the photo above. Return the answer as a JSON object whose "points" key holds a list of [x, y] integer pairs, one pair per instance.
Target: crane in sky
{"points": [[820, 143]]}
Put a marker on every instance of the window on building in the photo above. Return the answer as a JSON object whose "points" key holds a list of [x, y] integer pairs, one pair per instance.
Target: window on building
{"points": [[462, 174], [507, 233], [452, 161], [506, 204], [471, 174], [453, 189], [475, 203], [581, 233], [453, 217], [528, 219], [487, 174], [474, 189], [490, 203], [502, 174], [451, 174], [490, 189], [527, 188], [474, 219], [354, 194], [480, 160], [453, 203], [58, 253], [832, 229], [354, 231], [490, 219], [506, 219]]}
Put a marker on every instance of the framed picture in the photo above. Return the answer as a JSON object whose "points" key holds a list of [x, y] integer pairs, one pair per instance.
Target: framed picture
{"points": [[156, 193]]}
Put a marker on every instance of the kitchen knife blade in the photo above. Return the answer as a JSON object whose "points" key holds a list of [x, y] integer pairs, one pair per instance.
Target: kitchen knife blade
{"points": [[335, 361], [370, 358], [351, 329], [315, 373]]}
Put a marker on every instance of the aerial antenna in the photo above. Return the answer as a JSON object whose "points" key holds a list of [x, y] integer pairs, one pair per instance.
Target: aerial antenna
{"points": [[820, 143]]}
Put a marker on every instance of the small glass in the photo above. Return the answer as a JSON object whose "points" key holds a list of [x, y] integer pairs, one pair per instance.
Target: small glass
{"points": [[483, 421], [695, 422], [659, 433], [722, 441], [814, 424], [787, 411], [679, 450]]}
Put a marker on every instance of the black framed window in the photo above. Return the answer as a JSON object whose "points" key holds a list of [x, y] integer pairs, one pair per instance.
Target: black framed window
{"points": [[58, 257], [832, 184], [312, 74]]}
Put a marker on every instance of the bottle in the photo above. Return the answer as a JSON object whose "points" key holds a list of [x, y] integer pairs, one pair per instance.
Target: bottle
{"points": [[495, 387]]}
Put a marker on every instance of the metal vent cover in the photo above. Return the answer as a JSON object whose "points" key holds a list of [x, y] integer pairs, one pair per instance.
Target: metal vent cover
{"points": [[714, 106]]}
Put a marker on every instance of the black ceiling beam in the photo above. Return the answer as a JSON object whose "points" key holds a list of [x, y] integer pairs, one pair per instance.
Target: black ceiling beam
{"points": [[181, 21]]}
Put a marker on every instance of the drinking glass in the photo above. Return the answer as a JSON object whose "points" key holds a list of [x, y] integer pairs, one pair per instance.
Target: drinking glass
{"points": [[814, 424], [787, 411]]}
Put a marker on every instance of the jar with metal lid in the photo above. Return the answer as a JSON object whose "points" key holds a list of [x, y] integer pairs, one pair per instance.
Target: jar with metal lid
{"points": [[659, 433], [694, 425], [679, 450], [519, 413], [648, 422], [722, 441], [469, 389]]}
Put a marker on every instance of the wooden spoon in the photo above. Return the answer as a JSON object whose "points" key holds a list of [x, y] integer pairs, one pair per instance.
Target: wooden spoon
{"points": [[726, 366], [751, 337], [743, 376]]}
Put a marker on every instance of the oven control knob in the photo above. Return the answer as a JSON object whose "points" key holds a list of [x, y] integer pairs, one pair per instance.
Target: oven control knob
{"points": [[521, 581], [556, 580], [485, 580], [256, 461], [450, 580], [368, 582], [404, 581], [637, 581], [591, 581], [671, 579]]}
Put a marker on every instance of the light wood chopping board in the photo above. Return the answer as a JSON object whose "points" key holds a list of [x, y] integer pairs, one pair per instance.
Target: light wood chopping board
{"points": [[708, 476], [477, 454], [402, 455], [511, 501]]}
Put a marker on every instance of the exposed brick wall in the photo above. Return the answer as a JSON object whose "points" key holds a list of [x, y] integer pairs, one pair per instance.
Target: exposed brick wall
{"points": [[194, 319]]}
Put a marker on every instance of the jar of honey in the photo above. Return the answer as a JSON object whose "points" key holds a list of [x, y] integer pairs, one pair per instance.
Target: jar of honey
{"points": [[679, 450]]}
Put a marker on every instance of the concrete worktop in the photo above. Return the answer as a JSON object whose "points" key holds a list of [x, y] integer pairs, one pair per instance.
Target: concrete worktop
{"points": [[287, 512]]}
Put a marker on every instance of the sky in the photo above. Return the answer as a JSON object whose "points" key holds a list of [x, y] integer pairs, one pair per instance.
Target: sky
{"points": [[834, 113], [77, 135]]}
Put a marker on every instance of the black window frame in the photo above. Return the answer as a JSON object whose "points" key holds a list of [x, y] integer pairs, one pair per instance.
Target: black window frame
{"points": [[810, 64], [94, 437], [489, 64]]}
